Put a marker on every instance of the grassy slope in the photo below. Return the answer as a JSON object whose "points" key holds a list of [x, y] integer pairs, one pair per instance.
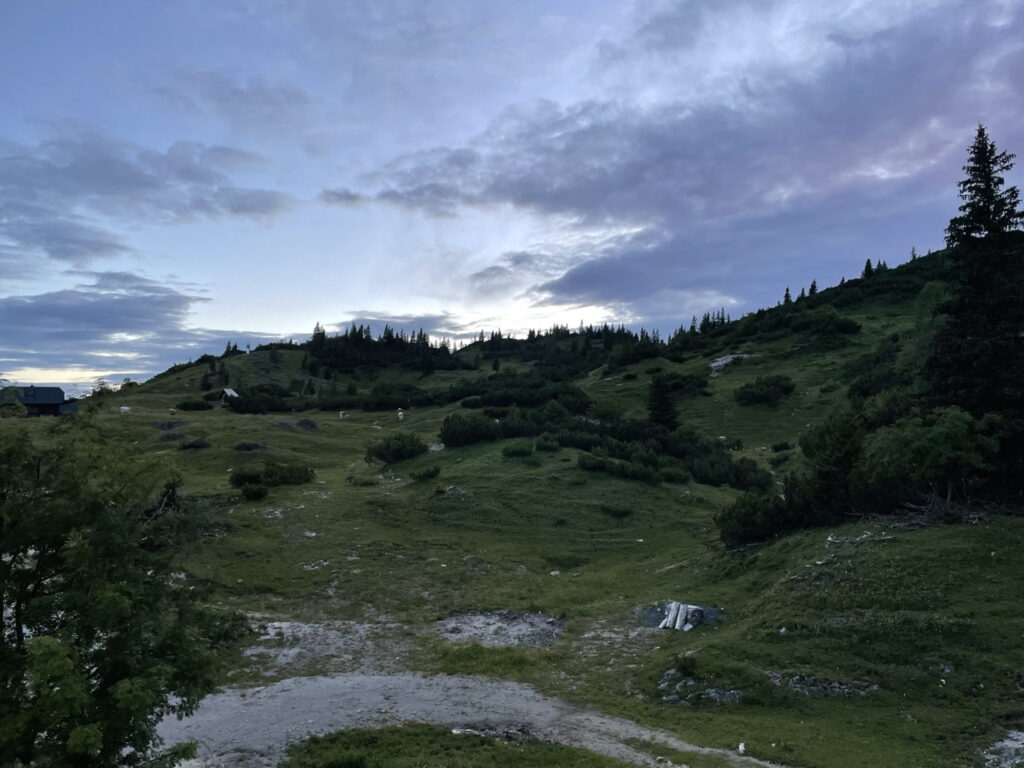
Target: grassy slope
{"points": [[932, 616]]}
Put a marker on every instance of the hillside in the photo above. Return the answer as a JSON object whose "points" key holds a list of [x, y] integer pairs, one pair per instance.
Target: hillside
{"points": [[886, 641]]}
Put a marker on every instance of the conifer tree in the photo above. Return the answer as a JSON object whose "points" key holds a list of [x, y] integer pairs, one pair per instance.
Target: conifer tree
{"points": [[813, 289], [868, 270], [661, 409], [977, 359], [786, 298], [987, 208]]}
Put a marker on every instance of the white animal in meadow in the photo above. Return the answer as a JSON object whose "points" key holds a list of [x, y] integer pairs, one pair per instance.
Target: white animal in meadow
{"points": [[401, 414], [343, 414], [172, 411], [124, 409]]}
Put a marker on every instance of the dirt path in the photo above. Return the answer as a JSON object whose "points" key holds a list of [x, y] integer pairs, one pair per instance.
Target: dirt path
{"points": [[251, 727]]}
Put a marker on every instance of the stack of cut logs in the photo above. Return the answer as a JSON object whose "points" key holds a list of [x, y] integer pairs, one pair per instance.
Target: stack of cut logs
{"points": [[682, 616]]}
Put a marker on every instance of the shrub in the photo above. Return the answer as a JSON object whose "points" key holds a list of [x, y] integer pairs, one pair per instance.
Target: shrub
{"points": [[240, 477], [754, 517], [361, 482], [618, 513], [276, 473], [245, 445], [272, 474], [780, 447], [517, 450], [194, 405], [428, 473], [547, 442], [466, 429], [195, 445], [254, 492], [402, 445], [765, 389], [591, 463], [673, 475]]}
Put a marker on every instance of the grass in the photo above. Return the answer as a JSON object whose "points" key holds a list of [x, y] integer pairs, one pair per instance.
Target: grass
{"points": [[421, 746]]}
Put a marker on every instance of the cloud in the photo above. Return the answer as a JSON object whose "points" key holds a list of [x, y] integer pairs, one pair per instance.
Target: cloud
{"points": [[341, 196], [113, 321], [254, 104], [64, 238], [859, 124], [63, 195]]}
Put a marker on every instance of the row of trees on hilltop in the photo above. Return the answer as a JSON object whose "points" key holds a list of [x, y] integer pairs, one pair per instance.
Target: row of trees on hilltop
{"points": [[936, 418]]}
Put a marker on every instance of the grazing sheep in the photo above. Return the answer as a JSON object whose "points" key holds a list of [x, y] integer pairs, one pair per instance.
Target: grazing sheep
{"points": [[172, 411], [342, 414], [124, 409], [401, 414]]}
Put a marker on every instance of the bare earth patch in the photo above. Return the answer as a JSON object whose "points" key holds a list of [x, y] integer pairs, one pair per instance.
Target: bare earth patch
{"points": [[295, 647], [497, 629], [252, 727]]}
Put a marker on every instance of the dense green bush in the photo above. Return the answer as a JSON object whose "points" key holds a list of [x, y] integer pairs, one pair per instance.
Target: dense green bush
{"points": [[465, 429], [194, 405], [428, 473], [765, 389], [517, 450], [757, 517], [591, 463], [401, 445], [272, 474], [547, 442], [254, 492]]}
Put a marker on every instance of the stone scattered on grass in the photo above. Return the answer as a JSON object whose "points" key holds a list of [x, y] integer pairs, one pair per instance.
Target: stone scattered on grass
{"points": [[453, 492], [688, 690], [809, 685], [498, 629], [437, 447]]}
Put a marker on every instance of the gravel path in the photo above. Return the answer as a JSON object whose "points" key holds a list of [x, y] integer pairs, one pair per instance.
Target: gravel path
{"points": [[250, 728]]}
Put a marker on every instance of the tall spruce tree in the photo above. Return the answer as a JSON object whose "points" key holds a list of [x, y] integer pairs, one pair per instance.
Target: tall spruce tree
{"points": [[987, 208], [977, 360], [661, 407]]}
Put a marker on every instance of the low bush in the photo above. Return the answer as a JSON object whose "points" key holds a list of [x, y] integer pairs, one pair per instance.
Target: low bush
{"points": [[465, 429], [194, 405], [517, 450], [547, 442], [254, 492], [402, 445], [195, 445], [765, 389], [272, 474], [428, 473], [592, 463]]}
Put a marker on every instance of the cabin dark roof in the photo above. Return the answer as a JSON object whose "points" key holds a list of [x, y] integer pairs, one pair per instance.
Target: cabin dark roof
{"points": [[40, 395]]}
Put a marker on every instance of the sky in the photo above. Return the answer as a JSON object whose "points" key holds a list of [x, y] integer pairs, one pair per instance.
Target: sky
{"points": [[176, 175]]}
